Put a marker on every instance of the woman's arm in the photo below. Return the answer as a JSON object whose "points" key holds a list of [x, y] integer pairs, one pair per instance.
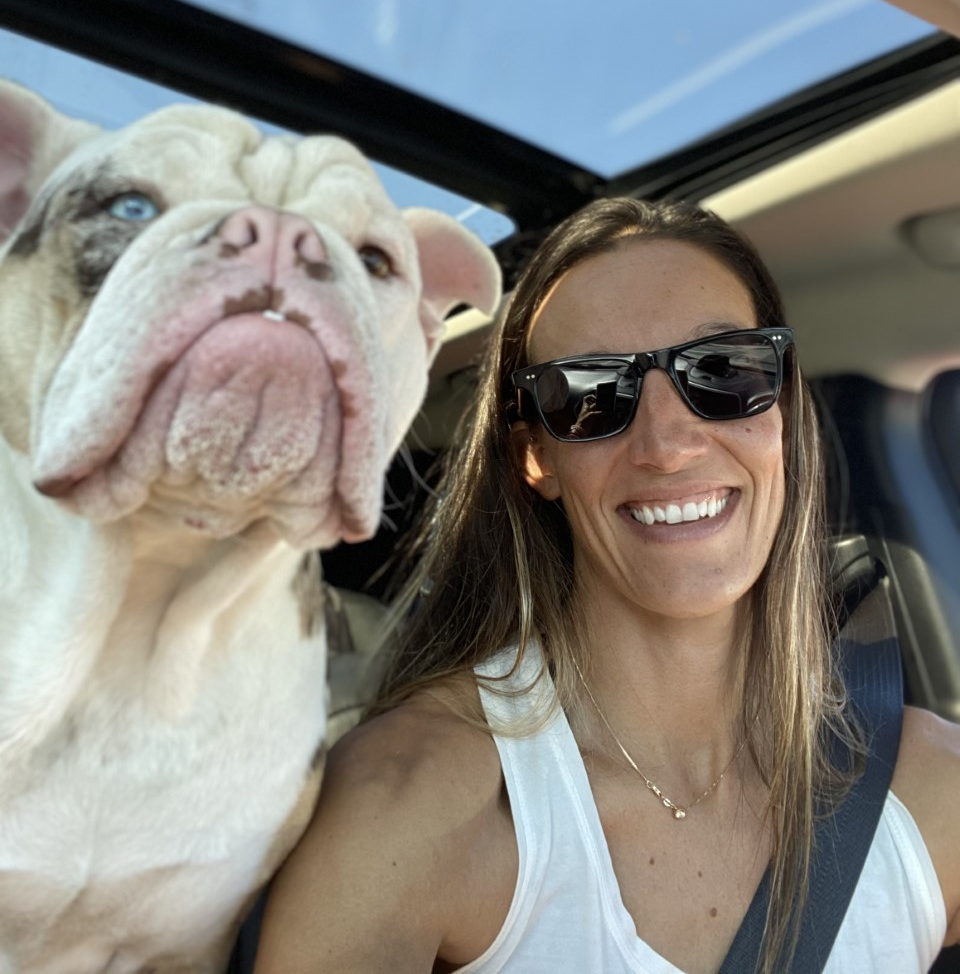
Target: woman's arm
{"points": [[410, 856], [927, 781]]}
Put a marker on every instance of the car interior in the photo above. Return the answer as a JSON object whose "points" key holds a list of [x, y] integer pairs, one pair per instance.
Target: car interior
{"points": [[849, 187]]}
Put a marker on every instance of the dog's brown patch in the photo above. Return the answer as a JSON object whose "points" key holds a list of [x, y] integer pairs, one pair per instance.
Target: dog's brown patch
{"points": [[317, 270], [97, 237], [299, 817], [251, 301], [297, 317], [100, 244], [26, 241], [309, 593]]}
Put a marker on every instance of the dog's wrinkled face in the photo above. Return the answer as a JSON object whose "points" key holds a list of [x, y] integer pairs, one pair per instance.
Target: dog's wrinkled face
{"points": [[226, 327]]}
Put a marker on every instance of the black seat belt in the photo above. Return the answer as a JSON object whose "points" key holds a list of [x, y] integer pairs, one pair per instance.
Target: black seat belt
{"points": [[874, 679]]}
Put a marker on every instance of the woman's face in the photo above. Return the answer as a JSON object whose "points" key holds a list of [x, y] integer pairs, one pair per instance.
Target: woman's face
{"points": [[646, 295]]}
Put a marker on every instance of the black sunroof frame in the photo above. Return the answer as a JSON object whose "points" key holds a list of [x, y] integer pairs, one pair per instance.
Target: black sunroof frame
{"points": [[207, 56]]}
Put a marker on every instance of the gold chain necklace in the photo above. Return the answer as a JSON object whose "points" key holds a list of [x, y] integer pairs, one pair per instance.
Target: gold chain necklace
{"points": [[679, 811]]}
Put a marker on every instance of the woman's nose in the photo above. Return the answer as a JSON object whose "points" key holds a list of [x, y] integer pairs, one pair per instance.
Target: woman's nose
{"points": [[665, 432]]}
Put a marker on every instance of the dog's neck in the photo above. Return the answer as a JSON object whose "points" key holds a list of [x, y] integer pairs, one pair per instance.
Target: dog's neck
{"points": [[156, 598]]}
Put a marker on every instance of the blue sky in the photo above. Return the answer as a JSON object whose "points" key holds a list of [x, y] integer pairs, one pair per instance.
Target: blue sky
{"points": [[605, 83]]}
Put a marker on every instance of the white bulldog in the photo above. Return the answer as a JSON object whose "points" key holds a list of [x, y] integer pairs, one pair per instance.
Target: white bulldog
{"points": [[211, 343]]}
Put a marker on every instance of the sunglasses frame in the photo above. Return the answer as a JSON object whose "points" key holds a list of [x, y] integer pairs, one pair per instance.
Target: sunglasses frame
{"points": [[525, 379]]}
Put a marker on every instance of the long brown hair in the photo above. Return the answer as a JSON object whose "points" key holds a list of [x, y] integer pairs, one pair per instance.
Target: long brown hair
{"points": [[475, 590]]}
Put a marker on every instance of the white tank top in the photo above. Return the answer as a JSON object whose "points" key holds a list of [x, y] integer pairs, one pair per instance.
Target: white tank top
{"points": [[567, 915]]}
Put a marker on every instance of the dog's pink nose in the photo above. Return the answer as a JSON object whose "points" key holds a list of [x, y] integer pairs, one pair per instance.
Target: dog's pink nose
{"points": [[281, 239]]}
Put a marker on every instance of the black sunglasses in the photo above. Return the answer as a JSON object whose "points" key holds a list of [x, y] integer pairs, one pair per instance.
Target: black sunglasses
{"points": [[588, 397]]}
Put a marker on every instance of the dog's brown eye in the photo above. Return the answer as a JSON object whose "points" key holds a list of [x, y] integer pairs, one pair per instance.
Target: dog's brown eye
{"points": [[377, 261]]}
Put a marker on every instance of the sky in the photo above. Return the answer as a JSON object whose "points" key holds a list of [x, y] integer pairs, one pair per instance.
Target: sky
{"points": [[604, 83], [607, 84]]}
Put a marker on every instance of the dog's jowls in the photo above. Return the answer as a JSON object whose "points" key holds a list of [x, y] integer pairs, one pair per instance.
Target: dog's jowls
{"points": [[211, 343]]}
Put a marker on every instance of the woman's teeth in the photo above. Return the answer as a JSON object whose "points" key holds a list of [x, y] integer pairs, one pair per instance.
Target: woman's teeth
{"points": [[675, 513]]}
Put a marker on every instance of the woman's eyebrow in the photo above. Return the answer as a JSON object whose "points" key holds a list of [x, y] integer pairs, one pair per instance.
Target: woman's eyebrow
{"points": [[714, 328], [703, 330]]}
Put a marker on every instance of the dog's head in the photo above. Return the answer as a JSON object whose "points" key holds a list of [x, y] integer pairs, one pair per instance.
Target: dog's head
{"points": [[220, 325]]}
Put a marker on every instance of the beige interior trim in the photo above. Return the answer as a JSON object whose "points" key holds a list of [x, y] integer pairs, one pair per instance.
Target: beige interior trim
{"points": [[829, 223], [928, 125]]}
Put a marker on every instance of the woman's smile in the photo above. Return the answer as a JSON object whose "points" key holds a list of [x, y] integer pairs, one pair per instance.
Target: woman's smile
{"points": [[678, 522], [681, 510]]}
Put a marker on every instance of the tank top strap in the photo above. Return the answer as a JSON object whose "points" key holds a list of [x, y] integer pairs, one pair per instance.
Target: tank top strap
{"points": [[567, 915]]}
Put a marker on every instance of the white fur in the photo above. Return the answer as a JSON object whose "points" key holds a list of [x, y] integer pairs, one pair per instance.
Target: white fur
{"points": [[161, 699]]}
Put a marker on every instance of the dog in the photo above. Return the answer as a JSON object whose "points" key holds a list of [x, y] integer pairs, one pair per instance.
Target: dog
{"points": [[212, 341]]}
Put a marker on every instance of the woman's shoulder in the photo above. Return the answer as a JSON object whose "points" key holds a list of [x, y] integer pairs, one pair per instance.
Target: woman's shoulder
{"points": [[936, 737], [430, 746], [927, 781], [411, 820], [928, 765]]}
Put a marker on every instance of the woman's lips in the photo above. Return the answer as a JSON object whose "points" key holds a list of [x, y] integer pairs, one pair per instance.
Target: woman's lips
{"points": [[681, 510], [689, 516]]}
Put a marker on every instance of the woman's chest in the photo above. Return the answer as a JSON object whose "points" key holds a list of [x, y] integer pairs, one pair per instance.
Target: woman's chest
{"points": [[686, 884]]}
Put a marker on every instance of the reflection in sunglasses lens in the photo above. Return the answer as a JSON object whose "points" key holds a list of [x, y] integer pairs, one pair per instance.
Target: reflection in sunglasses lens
{"points": [[729, 378], [722, 378], [588, 400]]}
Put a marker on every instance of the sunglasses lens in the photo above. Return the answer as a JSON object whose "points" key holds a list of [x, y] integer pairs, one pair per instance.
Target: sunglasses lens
{"points": [[729, 377], [724, 377], [587, 400]]}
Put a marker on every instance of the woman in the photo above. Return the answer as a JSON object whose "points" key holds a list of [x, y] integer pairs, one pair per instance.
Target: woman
{"points": [[624, 581]]}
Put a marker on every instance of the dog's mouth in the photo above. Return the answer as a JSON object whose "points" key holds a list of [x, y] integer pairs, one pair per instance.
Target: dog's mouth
{"points": [[253, 310], [254, 408]]}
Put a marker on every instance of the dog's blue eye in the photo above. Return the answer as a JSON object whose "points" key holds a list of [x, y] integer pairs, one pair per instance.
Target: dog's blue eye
{"points": [[135, 207]]}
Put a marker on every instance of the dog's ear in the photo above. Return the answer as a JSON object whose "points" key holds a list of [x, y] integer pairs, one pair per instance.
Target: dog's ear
{"points": [[456, 269], [34, 138]]}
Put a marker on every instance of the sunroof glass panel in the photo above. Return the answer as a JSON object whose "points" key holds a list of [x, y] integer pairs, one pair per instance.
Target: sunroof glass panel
{"points": [[607, 84]]}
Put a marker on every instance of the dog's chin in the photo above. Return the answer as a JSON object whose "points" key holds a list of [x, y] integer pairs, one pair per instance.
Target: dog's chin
{"points": [[300, 526], [172, 510], [247, 426]]}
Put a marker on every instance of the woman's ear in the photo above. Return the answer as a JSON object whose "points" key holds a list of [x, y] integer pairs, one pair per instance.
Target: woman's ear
{"points": [[531, 456]]}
